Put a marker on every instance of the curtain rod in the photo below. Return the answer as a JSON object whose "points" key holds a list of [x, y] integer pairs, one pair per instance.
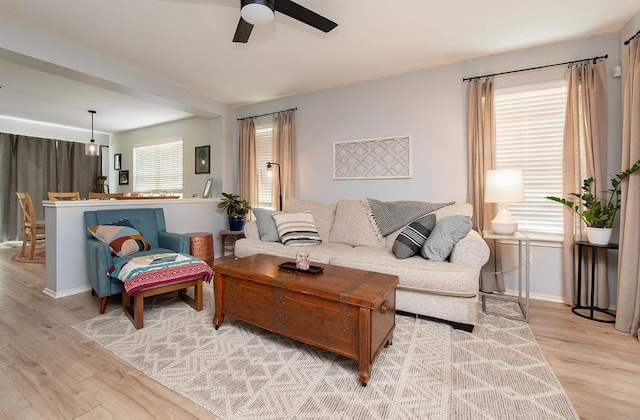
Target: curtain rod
{"points": [[536, 68], [629, 40], [268, 113]]}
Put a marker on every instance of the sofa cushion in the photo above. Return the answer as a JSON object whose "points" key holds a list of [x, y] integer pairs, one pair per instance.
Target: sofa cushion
{"points": [[415, 273], [321, 253], [121, 236], [412, 237], [464, 209], [353, 227], [445, 235], [266, 225], [297, 228], [323, 214]]}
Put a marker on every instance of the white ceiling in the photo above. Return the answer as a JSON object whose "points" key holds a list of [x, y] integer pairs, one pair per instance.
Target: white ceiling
{"points": [[186, 44]]}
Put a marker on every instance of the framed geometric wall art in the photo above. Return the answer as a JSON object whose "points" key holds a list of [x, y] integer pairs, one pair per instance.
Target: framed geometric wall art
{"points": [[381, 158]]}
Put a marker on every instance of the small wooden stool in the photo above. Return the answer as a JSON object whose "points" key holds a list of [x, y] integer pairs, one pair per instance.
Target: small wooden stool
{"points": [[135, 314]]}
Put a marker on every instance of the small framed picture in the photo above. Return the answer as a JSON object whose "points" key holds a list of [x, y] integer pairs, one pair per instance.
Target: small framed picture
{"points": [[123, 178], [207, 188], [117, 161], [202, 159]]}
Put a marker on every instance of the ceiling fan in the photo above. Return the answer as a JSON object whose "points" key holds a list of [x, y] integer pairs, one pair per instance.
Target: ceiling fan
{"points": [[260, 12]]}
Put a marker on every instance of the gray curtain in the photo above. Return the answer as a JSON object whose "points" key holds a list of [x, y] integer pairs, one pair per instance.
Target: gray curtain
{"points": [[481, 148], [37, 166], [628, 308], [284, 140]]}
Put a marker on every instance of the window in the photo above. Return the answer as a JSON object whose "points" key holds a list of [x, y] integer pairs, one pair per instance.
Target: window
{"points": [[264, 146], [158, 167], [529, 131]]}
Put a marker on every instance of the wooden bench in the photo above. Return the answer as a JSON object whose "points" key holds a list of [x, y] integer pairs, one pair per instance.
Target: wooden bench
{"points": [[136, 314]]}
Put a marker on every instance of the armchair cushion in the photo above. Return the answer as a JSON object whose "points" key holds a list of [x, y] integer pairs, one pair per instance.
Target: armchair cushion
{"points": [[123, 239]]}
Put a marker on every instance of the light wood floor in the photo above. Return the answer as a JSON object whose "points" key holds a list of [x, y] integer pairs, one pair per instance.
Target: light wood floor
{"points": [[50, 371]]}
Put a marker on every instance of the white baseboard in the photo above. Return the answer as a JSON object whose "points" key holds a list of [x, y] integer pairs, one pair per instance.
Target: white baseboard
{"points": [[66, 293], [548, 298]]}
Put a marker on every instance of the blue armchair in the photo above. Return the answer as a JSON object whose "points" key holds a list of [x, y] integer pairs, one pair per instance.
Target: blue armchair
{"points": [[149, 222]]}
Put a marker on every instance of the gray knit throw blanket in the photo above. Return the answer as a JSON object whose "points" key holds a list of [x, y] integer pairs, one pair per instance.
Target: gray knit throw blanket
{"points": [[387, 217]]}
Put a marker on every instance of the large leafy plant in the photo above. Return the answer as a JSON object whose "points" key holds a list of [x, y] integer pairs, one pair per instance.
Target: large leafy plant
{"points": [[233, 205], [598, 212]]}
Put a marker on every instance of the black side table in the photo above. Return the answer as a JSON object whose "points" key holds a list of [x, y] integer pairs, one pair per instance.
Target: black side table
{"points": [[591, 309]]}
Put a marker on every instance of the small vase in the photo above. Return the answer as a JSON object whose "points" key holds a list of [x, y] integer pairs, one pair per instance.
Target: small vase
{"points": [[599, 236]]}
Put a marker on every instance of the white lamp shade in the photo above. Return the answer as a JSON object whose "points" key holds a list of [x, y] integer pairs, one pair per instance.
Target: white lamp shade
{"points": [[256, 14], [504, 186]]}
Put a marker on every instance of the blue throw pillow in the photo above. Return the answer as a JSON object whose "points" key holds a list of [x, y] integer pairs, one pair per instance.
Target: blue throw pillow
{"points": [[266, 225], [445, 235]]}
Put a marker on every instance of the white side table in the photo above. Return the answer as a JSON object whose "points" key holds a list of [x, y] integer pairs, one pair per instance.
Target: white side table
{"points": [[522, 301]]}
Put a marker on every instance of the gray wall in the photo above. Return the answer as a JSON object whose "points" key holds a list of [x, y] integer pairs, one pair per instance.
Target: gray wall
{"points": [[195, 132], [429, 105]]}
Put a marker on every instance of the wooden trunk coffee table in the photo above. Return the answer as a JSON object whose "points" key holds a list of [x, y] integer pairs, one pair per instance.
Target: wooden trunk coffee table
{"points": [[346, 311]]}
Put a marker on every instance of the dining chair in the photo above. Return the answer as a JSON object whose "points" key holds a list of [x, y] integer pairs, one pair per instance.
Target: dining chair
{"points": [[104, 196], [64, 195], [31, 228]]}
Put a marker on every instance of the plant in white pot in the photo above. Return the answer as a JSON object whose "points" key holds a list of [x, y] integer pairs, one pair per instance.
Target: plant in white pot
{"points": [[235, 208], [598, 213]]}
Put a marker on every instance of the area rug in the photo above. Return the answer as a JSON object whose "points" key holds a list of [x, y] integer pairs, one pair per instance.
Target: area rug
{"points": [[430, 372], [39, 256]]}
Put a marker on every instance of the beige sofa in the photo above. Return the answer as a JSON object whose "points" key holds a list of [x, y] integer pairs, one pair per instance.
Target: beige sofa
{"points": [[446, 291]]}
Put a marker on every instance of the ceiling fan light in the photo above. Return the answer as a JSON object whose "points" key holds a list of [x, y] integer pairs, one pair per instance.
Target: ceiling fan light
{"points": [[256, 13]]}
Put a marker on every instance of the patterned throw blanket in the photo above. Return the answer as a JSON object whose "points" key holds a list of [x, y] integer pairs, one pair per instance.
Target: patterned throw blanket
{"points": [[387, 217], [140, 273]]}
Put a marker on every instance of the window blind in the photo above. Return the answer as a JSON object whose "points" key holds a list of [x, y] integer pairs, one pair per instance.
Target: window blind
{"points": [[264, 154], [529, 132], [158, 167]]}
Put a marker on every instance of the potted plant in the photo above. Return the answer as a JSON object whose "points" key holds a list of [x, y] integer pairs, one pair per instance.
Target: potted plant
{"points": [[99, 187], [598, 213], [235, 208]]}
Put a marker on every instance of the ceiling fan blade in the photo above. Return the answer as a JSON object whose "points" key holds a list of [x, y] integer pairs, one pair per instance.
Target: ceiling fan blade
{"points": [[304, 15], [243, 30]]}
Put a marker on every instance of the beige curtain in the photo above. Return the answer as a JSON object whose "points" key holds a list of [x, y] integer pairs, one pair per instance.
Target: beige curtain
{"points": [[284, 139], [584, 155], [248, 164], [628, 306], [481, 158]]}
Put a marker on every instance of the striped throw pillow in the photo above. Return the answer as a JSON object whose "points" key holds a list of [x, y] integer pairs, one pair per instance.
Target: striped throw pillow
{"points": [[121, 236], [297, 228], [411, 239]]}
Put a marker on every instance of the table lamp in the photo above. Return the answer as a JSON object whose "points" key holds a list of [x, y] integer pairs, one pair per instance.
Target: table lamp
{"points": [[504, 186]]}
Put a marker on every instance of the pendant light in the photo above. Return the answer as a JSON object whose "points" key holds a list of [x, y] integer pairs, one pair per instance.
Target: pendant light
{"points": [[92, 148]]}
